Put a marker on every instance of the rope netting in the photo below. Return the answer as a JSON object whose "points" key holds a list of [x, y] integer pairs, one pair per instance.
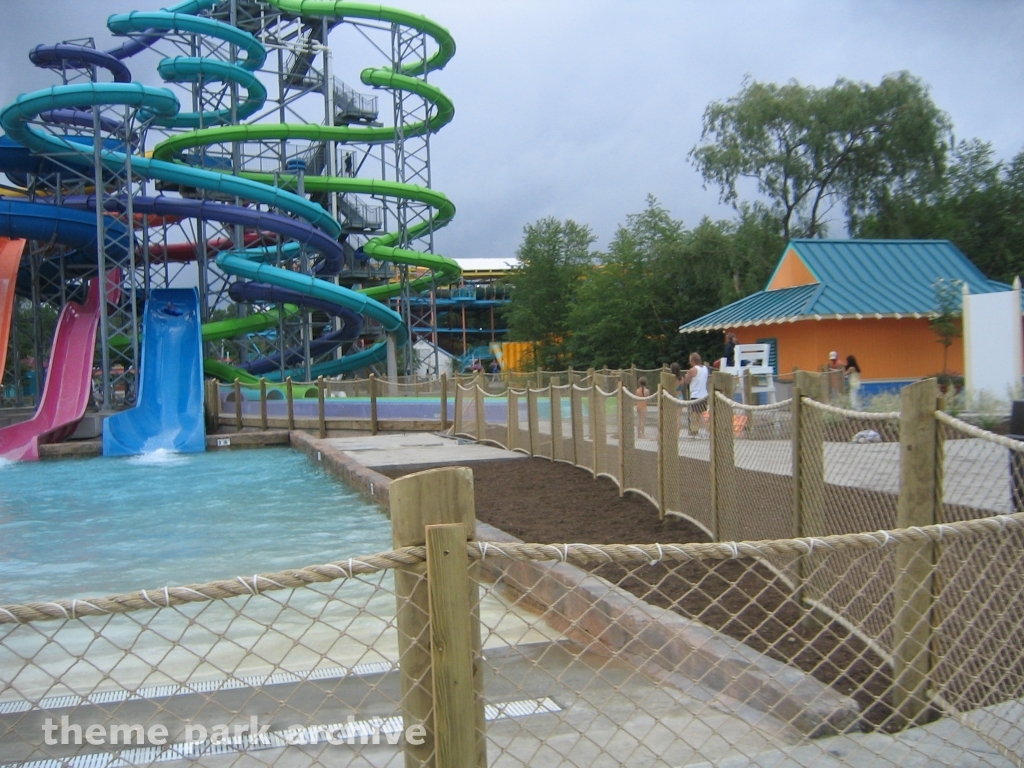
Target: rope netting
{"points": [[982, 473], [754, 447], [859, 603], [583, 426], [466, 396], [605, 427], [659, 654], [686, 459], [639, 432]]}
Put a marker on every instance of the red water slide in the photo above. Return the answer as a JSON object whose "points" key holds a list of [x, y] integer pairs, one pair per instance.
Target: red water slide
{"points": [[68, 381]]}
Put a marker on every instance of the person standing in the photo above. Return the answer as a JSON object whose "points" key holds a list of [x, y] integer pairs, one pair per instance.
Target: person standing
{"points": [[678, 374], [853, 380], [730, 349], [697, 379]]}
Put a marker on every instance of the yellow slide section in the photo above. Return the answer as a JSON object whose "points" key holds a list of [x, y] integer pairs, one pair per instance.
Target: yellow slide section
{"points": [[10, 257]]}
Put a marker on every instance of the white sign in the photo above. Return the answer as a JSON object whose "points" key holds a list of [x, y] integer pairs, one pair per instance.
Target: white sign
{"points": [[993, 343]]}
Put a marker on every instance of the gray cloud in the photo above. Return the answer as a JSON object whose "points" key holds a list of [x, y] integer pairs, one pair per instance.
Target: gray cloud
{"points": [[580, 108]]}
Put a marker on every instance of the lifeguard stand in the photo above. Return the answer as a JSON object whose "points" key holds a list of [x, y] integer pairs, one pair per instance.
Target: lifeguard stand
{"points": [[753, 371]]}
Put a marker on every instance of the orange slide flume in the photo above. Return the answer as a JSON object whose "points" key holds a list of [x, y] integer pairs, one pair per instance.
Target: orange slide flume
{"points": [[10, 257]]}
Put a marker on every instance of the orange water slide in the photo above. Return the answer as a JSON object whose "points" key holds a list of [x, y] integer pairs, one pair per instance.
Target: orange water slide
{"points": [[10, 257]]}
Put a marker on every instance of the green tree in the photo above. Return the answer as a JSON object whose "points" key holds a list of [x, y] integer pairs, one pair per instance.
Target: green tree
{"points": [[946, 322], [620, 316], [658, 275], [978, 205], [554, 256], [809, 149]]}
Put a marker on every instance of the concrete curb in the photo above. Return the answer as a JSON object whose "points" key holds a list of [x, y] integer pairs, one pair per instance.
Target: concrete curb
{"points": [[604, 618], [371, 483]]}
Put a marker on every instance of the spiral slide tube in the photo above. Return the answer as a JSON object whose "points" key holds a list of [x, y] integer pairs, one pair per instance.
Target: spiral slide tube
{"points": [[160, 105], [382, 248]]}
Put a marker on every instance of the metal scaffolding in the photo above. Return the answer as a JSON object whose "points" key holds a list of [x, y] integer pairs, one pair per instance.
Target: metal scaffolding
{"points": [[151, 250]]}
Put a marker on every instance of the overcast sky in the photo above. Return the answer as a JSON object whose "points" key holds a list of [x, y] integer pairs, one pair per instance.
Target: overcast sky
{"points": [[580, 108]]}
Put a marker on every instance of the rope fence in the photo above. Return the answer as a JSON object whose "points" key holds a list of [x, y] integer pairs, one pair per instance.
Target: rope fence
{"points": [[574, 654], [858, 602]]}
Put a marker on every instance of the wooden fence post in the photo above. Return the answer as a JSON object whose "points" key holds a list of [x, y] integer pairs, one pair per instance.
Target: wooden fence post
{"points": [[512, 416], [575, 416], [263, 403], [808, 440], [436, 497], [918, 503], [808, 457], [451, 646], [668, 381], [660, 400], [723, 466], [212, 406], [620, 399], [321, 410], [481, 413], [555, 411], [290, 395], [373, 404], [444, 402], [747, 385], [593, 422], [531, 416], [238, 405]]}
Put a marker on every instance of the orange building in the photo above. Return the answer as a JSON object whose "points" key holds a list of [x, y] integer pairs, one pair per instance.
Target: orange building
{"points": [[868, 298]]}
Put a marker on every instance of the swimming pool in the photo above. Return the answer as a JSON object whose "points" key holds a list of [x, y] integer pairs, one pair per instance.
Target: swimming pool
{"points": [[87, 527]]}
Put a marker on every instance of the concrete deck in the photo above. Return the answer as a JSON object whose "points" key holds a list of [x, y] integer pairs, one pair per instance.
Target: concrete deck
{"points": [[415, 449]]}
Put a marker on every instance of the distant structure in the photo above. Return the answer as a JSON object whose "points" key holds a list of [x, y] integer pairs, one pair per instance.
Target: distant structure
{"points": [[464, 319], [869, 298]]}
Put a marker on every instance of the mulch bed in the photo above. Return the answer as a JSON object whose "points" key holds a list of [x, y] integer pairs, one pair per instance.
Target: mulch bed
{"points": [[546, 502]]}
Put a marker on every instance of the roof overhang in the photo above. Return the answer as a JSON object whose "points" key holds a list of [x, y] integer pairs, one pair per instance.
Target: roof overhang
{"points": [[804, 318]]}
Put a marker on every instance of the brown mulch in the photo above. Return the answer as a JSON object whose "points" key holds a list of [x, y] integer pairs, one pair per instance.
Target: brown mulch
{"points": [[545, 502]]}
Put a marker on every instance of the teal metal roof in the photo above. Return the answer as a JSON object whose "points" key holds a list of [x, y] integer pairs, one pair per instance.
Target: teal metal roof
{"points": [[856, 277]]}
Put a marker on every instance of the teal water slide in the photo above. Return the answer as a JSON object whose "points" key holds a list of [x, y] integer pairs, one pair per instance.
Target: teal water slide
{"points": [[168, 165]]}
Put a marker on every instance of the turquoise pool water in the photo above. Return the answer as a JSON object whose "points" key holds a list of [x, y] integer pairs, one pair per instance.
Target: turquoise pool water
{"points": [[76, 528]]}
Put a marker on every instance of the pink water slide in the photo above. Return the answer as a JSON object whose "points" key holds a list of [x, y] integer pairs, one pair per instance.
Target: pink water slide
{"points": [[10, 258], [68, 381]]}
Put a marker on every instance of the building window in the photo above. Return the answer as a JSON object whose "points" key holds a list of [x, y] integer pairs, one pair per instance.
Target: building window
{"points": [[773, 353]]}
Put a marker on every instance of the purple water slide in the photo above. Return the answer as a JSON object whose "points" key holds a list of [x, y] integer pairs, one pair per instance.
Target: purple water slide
{"points": [[261, 221], [68, 380], [250, 291], [300, 231]]}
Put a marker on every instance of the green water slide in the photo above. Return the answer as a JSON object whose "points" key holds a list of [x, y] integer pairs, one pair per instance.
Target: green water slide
{"points": [[162, 107], [384, 247]]}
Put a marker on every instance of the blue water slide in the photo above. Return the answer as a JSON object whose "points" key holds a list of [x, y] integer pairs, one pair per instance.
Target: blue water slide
{"points": [[169, 414], [75, 229]]}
